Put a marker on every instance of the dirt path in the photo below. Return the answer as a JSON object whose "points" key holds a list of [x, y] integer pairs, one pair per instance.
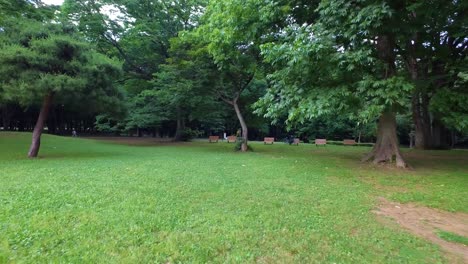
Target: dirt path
{"points": [[425, 222]]}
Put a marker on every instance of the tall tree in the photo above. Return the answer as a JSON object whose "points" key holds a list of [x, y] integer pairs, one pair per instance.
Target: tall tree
{"points": [[233, 40], [43, 62], [432, 44], [344, 63], [139, 32]]}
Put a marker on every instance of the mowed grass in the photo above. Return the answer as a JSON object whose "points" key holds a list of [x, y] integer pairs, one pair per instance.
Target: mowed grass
{"points": [[88, 201]]}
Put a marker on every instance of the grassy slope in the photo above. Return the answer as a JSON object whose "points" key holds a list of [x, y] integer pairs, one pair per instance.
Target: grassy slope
{"points": [[197, 202]]}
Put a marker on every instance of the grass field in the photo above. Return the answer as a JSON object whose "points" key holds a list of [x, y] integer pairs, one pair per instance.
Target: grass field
{"points": [[91, 201]]}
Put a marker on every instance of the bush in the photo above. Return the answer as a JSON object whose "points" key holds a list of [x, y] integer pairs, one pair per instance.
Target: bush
{"points": [[189, 134]]}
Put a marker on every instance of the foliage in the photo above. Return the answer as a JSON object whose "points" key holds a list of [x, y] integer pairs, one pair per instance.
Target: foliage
{"points": [[189, 134], [108, 124], [47, 58], [335, 75], [450, 103], [335, 127], [163, 84], [145, 111]]}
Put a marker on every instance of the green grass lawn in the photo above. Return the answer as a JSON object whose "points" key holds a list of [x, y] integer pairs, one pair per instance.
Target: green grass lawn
{"points": [[91, 201]]}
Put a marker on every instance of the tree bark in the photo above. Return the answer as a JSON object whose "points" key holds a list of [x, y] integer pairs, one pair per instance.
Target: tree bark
{"points": [[52, 121], [180, 126], [386, 147], [422, 121], [243, 126], [36, 137], [440, 136], [6, 115]]}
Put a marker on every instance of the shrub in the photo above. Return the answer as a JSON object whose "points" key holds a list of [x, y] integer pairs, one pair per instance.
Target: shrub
{"points": [[189, 134]]}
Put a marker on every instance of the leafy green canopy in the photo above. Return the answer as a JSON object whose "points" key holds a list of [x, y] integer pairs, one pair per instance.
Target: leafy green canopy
{"points": [[39, 59], [162, 85], [332, 66]]}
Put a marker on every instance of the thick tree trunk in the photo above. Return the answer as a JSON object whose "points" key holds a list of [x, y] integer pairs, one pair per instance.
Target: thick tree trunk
{"points": [[36, 137], [243, 126], [422, 121], [386, 147], [440, 136], [420, 99]]}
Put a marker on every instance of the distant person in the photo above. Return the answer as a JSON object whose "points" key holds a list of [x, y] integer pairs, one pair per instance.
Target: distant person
{"points": [[74, 134], [224, 136]]}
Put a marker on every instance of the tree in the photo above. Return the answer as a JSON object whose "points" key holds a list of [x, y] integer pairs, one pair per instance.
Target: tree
{"points": [[233, 42], [344, 64], [140, 33], [432, 45], [46, 61]]}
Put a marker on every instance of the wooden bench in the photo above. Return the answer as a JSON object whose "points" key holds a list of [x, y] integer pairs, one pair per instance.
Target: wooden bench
{"points": [[213, 139], [231, 139], [322, 142], [296, 142], [349, 142], [268, 140]]}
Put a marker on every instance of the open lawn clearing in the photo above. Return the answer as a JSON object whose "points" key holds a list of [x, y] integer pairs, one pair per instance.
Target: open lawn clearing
{"points": [[93, 201]]}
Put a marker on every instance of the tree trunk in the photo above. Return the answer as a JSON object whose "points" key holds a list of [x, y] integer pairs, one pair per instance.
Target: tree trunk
{"points": [[440, 135], [243, 126], [420, 99], [6, 115], [453, 139], [180, 126], [52, 121], [422, 121], [386, 146], [36, 137]]}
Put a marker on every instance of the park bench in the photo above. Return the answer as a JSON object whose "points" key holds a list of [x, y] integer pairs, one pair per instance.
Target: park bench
{"points": [[268, 140], [349, 142], [322, 142], [231, 139], [213, 139], [296, 142]]}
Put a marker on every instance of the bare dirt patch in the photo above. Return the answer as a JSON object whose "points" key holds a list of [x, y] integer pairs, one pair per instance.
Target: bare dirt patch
{"points": [[425, 222]]}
